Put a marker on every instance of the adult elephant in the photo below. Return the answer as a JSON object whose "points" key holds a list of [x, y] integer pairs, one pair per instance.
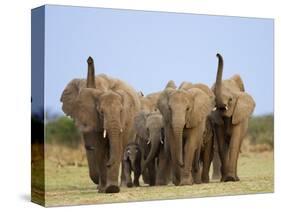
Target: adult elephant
{"points": [[150, 137], [103, 108], [185, 112], [234, 107]]}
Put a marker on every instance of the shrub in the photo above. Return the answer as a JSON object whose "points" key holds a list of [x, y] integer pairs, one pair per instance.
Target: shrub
{"points": [[62, 131], [261, 130]]}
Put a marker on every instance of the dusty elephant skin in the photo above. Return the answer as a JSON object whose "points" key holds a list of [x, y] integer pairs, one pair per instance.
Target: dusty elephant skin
{"points": [[185, 111], [132, 163], [103, 108], [150, 136], [233, 109], [156, 163]]}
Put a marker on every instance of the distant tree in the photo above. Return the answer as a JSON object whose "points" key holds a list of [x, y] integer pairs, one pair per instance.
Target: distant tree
{"points": [[62, 131], [261, 129]]}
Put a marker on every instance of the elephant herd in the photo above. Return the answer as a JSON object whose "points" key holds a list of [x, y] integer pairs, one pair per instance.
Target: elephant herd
{"points": [[168, 136]]}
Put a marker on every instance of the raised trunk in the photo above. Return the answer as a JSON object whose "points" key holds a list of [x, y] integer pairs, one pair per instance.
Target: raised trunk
{"points": [[114, 146], [218, 81], [91, 73]]}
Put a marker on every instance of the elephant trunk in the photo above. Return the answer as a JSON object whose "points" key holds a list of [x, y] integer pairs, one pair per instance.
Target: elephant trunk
{"points": [[155, 140], [91, 73], [176, 145], [218, 88], [114, 146]]}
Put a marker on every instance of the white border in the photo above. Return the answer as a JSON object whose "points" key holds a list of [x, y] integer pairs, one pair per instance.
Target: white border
{"points": [[15, 101]]}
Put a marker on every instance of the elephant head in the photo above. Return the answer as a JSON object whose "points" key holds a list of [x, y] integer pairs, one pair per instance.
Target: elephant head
{"points": [[132, 153], [150, 127], [181, 109], [231, 98], [93, 108]]}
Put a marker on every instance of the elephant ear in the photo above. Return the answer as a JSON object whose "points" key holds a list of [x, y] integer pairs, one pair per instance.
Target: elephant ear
{"points": [[205, 89], [244, 107], [70, 94], [171, 84], [237, 79], [162, 104], [127, 103], [202, 106], [140, 125], [185, 85]]}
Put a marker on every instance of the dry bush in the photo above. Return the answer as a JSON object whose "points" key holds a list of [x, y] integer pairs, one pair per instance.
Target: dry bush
{"points": [[63, 155]]}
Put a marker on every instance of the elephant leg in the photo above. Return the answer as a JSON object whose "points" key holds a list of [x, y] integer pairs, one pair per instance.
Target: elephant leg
{"points": [[136, 178], [124, 174], [102, 172], [163, 172], [216, 165], [234, 149], [93, 172], [145, 176], [90, 141], [152, 173], [223, 151], [127, 172], [207, 157], [189, 153], [196, 172]]}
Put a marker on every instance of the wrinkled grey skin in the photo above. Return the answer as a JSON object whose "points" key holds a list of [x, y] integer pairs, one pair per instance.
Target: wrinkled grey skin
{"points": [[233, 108], [150, 134], [132, 163], [185, 111], [103, 109]]}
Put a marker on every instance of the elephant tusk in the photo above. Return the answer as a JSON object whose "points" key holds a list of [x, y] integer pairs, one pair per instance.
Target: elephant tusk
{"points": [[162, 142], [226, 108], [214, 109], [121, 130], [148, 142], [104, 133]]}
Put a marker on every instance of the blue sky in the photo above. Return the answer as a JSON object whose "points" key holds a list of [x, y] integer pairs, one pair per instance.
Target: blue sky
{"points": [[146, 49]]}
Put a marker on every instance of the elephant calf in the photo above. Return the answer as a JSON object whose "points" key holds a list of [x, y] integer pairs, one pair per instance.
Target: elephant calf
{"points": [[132, 163]]}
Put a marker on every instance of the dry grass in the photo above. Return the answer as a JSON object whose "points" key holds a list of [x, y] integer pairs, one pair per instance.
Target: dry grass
{"points": [[71, 185]]}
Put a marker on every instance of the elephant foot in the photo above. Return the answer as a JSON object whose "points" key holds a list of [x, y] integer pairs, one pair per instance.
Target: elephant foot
{"points": [[216, 176], [95, 179], [152, 184], [112, 189], [101, 189], [136, 183], [161, 182], [197, 179], [186, 181], [230, 177], [123, 184], [129, 184], [205, 179]]}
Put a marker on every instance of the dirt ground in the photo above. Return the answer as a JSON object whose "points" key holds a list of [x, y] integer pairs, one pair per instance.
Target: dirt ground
{"points": [[71, 185]]}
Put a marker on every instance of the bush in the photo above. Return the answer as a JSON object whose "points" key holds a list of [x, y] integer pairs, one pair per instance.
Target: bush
{"points": [[62, 131], [261, 130]]}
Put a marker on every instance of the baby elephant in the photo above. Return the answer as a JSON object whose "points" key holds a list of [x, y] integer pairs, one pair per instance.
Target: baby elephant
{"points": [[132, 163]]}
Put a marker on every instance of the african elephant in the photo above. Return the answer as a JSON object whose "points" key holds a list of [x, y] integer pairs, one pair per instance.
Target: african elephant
{"points": [[149, 102], [103, 108], [132, 163], [150, 136], [185, 111], [233, 109]]}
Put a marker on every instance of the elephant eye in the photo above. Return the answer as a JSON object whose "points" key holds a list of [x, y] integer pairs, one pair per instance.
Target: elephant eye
{"points": [[230, 99], [187, 109]]}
